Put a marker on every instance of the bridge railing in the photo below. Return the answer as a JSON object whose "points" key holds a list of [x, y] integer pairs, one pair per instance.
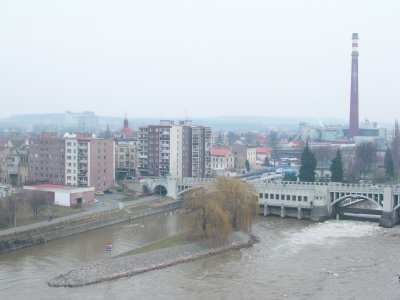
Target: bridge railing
{"points": [[332, 184]]}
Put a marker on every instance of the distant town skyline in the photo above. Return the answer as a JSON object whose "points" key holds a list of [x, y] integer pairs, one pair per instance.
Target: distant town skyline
{"points": [[185, 60]]}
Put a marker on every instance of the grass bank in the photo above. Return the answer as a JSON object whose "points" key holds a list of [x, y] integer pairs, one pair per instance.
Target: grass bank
{"points": [[172, 241]]}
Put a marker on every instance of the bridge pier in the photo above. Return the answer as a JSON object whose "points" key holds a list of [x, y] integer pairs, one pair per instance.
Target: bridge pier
{"points": [[319, 213], [283, 212], [299, 213], [389, 219]]}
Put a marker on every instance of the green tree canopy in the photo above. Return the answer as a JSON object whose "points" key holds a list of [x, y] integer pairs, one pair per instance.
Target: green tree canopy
{"points": [[389, 164], [289, 176], [247, 165], [308, 165], [337, 168]]}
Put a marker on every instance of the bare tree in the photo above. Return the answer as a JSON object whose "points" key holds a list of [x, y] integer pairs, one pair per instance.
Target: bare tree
{"points": [[36, 200], [8, 209], [324, 156], [365, 158], [363, 163]]}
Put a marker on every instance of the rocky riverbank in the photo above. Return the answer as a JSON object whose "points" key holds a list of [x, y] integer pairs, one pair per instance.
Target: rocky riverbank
{"points": [[126, 266]]}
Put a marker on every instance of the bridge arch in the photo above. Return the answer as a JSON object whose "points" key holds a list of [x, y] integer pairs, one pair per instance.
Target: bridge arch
{"points": [[160, 190], [351, 199]]}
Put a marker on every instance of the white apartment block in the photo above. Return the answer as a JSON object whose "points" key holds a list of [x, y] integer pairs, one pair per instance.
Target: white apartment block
{"points": [[252, 156], [71, 160], [176, 151]]}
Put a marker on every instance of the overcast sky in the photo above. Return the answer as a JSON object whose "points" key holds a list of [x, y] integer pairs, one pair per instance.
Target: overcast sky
{"points": [[159, 58]]}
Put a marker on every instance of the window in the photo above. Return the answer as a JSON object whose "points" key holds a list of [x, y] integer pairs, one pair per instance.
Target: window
{"points": [[294, 197], [305, 198], [266, 196], [260, 195]]}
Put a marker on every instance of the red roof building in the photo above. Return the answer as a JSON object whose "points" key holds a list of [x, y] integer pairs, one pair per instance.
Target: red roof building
{"points": [[220, 151], [264, 151], [222, 160]]}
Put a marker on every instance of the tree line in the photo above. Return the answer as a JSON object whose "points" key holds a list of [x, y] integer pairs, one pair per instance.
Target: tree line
{"points": [[23, 206], [363, 164]]}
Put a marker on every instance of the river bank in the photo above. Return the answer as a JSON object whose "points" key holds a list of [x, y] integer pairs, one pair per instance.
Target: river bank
{"points": [[36, 234], [130, 265]]}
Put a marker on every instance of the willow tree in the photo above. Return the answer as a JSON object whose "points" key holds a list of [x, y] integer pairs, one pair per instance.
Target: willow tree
{"points": [[239, 200], [220, 208]]}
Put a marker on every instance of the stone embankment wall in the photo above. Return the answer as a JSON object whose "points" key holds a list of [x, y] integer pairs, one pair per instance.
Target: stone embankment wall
{"points": [[58, 229]]}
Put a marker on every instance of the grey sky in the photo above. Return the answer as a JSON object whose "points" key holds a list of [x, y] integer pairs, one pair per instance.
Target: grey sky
{"points": [[198, 58]]}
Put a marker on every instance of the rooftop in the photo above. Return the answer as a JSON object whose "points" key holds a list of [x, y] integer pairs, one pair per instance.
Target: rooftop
{"points": [[220, 151], [47, 187]]}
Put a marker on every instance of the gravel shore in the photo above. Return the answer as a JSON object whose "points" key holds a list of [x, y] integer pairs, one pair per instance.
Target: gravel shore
{"points": [[114, 268]]}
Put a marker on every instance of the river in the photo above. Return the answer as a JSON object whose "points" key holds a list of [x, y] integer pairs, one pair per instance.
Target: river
{"points": [[294, 260]]}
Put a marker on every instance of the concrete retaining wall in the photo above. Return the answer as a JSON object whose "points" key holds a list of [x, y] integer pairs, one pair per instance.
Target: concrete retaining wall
{"points": [[57, 230]]}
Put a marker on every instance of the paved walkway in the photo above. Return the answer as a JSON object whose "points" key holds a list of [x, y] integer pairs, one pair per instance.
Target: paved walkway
{"points": [[98, 207]]}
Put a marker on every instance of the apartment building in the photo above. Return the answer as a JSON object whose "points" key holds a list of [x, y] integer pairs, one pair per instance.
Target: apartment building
{"points": [[46, 159], [89, 161], [175, 149], [181, 150], [154, 143], [126, 158], [102, 164], [201, 156]]}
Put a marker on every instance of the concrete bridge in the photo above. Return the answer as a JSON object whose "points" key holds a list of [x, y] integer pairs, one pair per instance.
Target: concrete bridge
{"points": [[173, 187], [319, 201], [311, 200]]}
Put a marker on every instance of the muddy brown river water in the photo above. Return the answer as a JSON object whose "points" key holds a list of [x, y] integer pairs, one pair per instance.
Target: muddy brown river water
{"points": [[294, 260]]}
